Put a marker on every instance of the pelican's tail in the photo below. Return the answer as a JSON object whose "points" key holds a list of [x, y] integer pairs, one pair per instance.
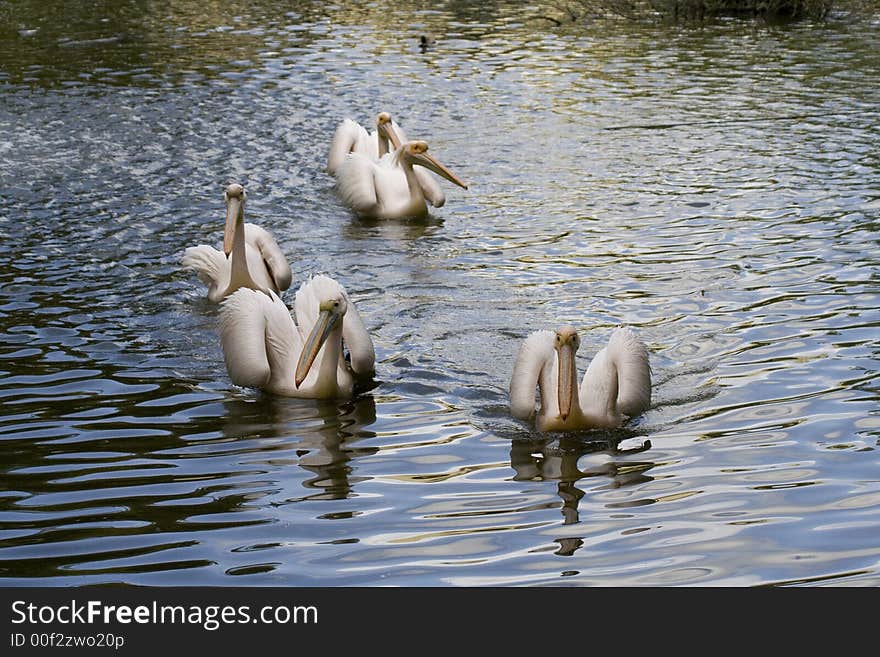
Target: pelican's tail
{"points": [[206, 261]]}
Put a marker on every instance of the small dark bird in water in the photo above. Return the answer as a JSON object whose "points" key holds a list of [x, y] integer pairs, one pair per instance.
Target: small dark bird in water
{"points": [[425, 42]]}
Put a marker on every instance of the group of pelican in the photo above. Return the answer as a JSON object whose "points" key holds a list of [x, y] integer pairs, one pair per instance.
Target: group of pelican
{"points": [[262, 345], [376, 175], [327, 350]]}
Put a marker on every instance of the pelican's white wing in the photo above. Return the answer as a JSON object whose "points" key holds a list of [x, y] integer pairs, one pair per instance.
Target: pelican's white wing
{"points": [[211, 266], [356, 183], [271, 256], [243, 337], [534, 363], [260, 342], [430, 187], [359, 343], [306, 305], [629, 355], [634, 371], [401, 134], [284, 344], [350, 137], [267, 265]]}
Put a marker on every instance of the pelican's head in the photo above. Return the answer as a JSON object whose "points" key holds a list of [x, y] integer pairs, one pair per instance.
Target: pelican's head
{"points": [[385, 128], [235, 197], [330, 313], [566, 344], [417, 153]]}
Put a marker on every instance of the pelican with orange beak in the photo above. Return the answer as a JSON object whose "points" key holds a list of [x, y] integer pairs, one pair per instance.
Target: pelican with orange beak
{"points": [[351, 137], [615, 387], [250, 257], [264, 348], [389, 188]]}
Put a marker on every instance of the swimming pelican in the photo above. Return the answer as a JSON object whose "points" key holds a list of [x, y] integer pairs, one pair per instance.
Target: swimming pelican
{"points": [[351, 137], [616, 386], [264, 348], [257, 262], [389, 188]]}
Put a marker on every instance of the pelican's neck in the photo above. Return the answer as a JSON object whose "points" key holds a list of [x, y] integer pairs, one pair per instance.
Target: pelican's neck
{"points": [[571, 376], [239, 276], [415, 188], [383, 143]]}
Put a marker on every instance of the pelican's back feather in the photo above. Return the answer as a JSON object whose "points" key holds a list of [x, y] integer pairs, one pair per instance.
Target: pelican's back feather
{"points": [[283, 343], [206, 261]]}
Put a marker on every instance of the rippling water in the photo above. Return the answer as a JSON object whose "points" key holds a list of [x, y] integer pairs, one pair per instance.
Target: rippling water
{"points": [[741, 243]]}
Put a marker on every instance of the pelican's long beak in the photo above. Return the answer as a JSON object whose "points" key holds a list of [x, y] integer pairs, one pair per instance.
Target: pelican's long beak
{"points": [[567, 378], [233, 209], [429, 162], [391, 133], [328, 318]]}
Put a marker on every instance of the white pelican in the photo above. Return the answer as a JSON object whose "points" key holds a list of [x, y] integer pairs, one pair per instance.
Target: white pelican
{"points": [[351, 137], [616, 386], [264, 348], [257, 262], [389, 188]]}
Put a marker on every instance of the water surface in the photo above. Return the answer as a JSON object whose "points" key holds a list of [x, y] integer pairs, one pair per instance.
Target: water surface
{"points": [[741, 244]]}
